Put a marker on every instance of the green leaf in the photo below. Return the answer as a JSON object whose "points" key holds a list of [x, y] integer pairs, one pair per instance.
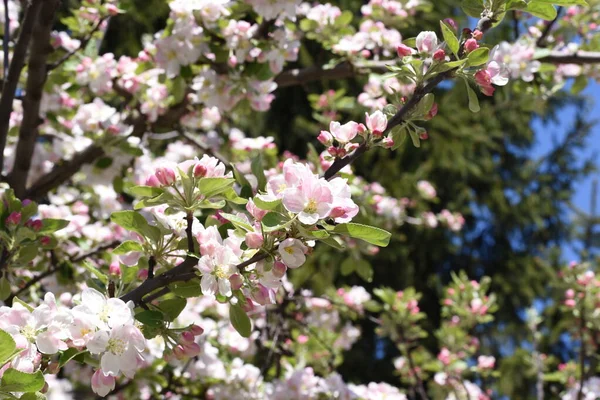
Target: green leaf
{"points": [[50, 225], [210, 187], [344, 19], [364, 270], [127, 247], [450, 38], [266, 205], [273, 221], [473, 8], [240, 320], [516, 5], [347, 266], [7, 347], [541, 10], [145, 191], [579, 84], [171, 308], [187, 289], [414, 137], [238, 222], [68, 355], [179, 88], [473, 100], [259, 172], [478, 57], [151, 318], [369, 234], [17, 381], [95, 271], [134, 221], [5, 290], [451, 65], [334, 242], [563, 2], [424, 106], [33, 396], [231, 196]]}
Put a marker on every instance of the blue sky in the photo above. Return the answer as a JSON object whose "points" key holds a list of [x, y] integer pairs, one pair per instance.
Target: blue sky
{"points": [[547, 134]]}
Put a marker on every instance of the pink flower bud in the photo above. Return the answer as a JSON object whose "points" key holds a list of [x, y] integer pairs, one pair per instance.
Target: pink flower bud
{"points": [[196, 330], [387, 142], [191, 349], [427, 42], [13, 218], [166, 176], [35, 224], [187, 337], [361, 129], [470, 45], [365, 53], [45, 241], [452, 23], [333, 151], [325, 138], [376, 122], [477, 34], [114, 269], [236, 281], [254, 240], [248, 305], [199, 171], [432, 112], [279, 269], [262, 295], [439, 55], [152, 180], [232, 61], [112, 9], [403, 50], [570, 293], [102, 384], [179, 352], [142, 274], [302, 339]]}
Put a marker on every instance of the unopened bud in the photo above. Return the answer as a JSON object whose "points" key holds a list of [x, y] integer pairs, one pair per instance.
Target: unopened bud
{"points": [[236, 281], [199, 171]]}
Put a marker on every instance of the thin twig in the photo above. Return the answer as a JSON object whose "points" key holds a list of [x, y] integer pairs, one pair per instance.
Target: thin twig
{"points": [[6, 38], [82, 46], [541, 42]]}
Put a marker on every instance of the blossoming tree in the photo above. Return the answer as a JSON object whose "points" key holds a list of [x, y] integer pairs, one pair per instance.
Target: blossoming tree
{"points": [[146, 241]]}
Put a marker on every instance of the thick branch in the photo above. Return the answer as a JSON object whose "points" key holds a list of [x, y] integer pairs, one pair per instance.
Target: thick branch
{"points": [[36, 79], [579, 57], [341, 71], [14, 71]]}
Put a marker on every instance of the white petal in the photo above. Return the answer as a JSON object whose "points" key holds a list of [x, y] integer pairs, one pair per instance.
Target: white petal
{"points": [[97, 344]]}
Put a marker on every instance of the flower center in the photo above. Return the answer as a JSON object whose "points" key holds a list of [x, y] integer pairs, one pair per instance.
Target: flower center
{"points": [[289, 250], [29, 333], [103, 315], [221, 272], [311, 207], [116, 346], [281, 188]]}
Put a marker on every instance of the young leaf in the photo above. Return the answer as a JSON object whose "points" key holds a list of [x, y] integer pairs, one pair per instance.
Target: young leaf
{"points": [[95, 271], [259, 172], [127, 247], [273, 221], [238, 222], [473, 100], [211, 187], [266, 205], [364, 270], [541, 10], [187, 289], [151, 318], [171, 308], [68, 355], [7, 347], [478, 57], [134, 221], [145, 191], [50, 225], [450, 38], [369, 234], [347, 266], [17, 381], [473, 8], [240, 320]]}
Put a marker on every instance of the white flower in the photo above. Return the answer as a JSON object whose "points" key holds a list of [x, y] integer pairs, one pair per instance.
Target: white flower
{"points": [[120, 349], [292, 252]]}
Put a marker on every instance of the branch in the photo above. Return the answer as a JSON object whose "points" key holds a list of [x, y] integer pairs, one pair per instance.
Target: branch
{"points": [[579, 57], [14, 71], [82, 45], [541, 42], [81, 257], [341, 71], [61, 173], [208, 150], [396, 120], [36, 78]]}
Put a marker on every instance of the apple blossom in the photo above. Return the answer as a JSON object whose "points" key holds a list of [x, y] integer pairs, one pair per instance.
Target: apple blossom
{"points": [[292, 252]]}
